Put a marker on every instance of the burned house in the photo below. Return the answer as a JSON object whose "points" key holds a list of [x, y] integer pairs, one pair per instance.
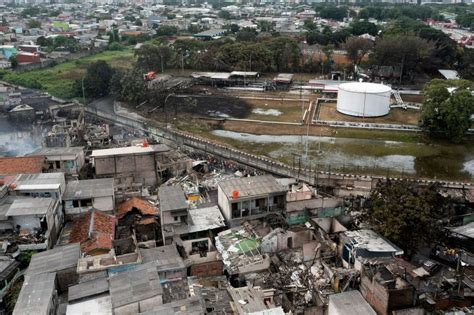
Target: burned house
{"points": [[136, 290], [37, 221], [240, 252], [81, 195], [248, 198], [357, 247], [142, 217], [193, 230], [304, 203], [384, 291], [22, 114], [173, 212], [68, 160], [145, 165], [95, 232]]}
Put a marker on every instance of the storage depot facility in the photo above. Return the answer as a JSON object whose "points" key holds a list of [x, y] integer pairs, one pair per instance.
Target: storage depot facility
{"points": [[363, 99]]}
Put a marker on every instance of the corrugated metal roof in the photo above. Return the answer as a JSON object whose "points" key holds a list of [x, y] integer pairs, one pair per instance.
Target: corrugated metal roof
{"points": [[88, 289], [172, 198], [59, 151], [30, 206], [36, 295], [89, 188], [56, 259], [165, 257], [251, 186], [130, 150], [135, 285], [465, 230], [39, 181], [350, 302], [189, 306], [204, 219]]}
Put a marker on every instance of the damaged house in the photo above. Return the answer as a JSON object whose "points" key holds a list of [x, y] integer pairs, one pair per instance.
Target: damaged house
{"points": [[68, 160], [384, 291], [357, 247], [37, 221], [145, 165], [248, 198], [141, 216], [95, 231], [193, 230]]}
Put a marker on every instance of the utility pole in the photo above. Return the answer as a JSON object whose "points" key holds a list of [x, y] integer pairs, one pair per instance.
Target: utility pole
{"points": [[83, 96]]}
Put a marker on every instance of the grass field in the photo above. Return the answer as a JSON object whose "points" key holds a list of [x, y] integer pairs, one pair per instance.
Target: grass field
{"points": [[396, 116], [59, 80]]}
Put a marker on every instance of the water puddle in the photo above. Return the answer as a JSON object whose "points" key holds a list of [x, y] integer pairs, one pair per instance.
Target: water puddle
{"points": [[267, 112], [366, 155]]}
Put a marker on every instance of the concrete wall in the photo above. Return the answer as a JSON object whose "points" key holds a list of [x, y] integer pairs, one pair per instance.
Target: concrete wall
{"points": [[103, 203], [29, 222], [138, 168], [384, 300]]}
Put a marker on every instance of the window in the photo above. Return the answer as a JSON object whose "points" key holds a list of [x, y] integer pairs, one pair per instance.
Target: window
{"points": [[58, 164], [176, 219], [235, 210]]}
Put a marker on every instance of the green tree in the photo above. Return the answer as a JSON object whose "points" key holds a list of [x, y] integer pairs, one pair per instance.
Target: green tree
{"points": [[153, 57], [466, 19], [97, 80], [223, 14], [246, 35], [30, 11], [310, 25], [448, 113], [166, 30], [13, 61], [405, 213], [363, 27], [333, 13], [138, 22], [466, 64], [113, 35], [266, 26], [44, 42], [404, 51], [131, 87], [357, 48], [34, 24]]}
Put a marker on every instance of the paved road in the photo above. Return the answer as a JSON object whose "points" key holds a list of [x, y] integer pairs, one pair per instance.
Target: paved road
{"points": [[105, 104]]}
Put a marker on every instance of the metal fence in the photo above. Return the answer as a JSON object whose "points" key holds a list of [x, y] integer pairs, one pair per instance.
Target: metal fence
{"points": [[311, 175]]}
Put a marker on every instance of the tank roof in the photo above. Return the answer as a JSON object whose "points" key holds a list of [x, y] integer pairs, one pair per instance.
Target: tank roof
{"points": [[365, 87]]}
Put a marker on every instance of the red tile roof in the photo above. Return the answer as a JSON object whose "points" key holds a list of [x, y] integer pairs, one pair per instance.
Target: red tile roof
{"points": [[102, 233], [144, 207], [20, 165]]}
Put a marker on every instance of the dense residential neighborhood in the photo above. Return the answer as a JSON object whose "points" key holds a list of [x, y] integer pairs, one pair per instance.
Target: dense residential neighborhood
{"points": [[236, 157]]}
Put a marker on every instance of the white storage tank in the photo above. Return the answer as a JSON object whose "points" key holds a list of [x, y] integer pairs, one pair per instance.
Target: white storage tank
{"points": [[363, 99]]}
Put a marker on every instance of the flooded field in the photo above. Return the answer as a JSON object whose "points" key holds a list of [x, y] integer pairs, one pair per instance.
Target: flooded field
{"points": [[451, 162]]}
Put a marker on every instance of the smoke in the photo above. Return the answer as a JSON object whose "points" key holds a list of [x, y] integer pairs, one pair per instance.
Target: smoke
{"points": [[18, 142]]}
